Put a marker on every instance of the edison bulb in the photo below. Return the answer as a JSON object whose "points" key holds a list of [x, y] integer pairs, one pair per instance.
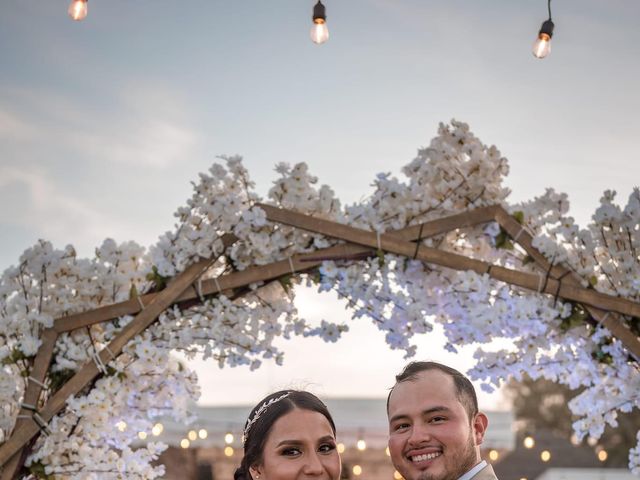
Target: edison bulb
{"points": [[319, 31], [78, 9], [542, 46]]}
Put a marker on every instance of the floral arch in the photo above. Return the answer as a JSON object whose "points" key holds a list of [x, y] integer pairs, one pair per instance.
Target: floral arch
{"points": [[86, 343]]}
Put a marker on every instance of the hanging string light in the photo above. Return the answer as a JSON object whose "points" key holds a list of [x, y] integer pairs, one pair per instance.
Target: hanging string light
{"points": [[361, 444], [542, 45], [319, 30], [78, 9], [528, 442]]}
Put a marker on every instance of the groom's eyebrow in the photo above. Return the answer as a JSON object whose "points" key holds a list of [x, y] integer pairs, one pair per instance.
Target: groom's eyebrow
{"points": [[428, 411], [436, 409]]}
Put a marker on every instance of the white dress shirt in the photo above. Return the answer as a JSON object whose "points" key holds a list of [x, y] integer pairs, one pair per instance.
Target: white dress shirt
{"points": [[469, 475]]}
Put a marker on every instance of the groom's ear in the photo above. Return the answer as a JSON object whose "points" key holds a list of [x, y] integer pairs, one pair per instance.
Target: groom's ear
{"points": [[479, 424]]}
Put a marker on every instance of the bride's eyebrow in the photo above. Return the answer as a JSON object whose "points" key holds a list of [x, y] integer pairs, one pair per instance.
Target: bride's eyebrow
{"points": [[289, 442]]}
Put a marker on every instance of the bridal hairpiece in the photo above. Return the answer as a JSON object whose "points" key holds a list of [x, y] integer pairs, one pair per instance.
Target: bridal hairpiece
{"points": [[263, 408]]}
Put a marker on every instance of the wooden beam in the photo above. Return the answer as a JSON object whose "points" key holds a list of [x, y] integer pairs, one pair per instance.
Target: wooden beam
{"points": [[451, 260], [610, 320], [120, 309], [265, 272], [32, 396], [89, 371]]}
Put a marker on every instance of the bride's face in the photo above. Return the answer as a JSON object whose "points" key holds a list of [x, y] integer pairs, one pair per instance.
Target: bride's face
{"points": [[300, 445]]}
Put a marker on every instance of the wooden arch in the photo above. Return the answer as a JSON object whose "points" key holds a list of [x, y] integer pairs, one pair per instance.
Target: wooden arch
{"points": [[556, 280]]}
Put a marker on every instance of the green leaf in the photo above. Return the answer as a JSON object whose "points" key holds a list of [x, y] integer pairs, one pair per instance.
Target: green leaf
{"points": [[286, 282], [37, 469], [59, 378], [15, 357], [593, 280], [380, 255], [158, 280], [519, 216], [503, 240], [133, 292], [578, 317], [527, 259]]}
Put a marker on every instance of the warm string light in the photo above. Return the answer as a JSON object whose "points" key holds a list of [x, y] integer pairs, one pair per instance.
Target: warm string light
{"points": [[542, 45], [545, 455], [228, 438], [319, 30], [529, 442], [78, 9], [157, 429], [493, 455]]}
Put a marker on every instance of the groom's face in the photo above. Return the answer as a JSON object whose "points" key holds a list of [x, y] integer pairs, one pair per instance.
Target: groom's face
{"points": [[430, 434]]}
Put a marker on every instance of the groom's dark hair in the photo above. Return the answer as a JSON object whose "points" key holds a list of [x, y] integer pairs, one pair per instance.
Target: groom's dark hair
{"points": [[465, 392]]}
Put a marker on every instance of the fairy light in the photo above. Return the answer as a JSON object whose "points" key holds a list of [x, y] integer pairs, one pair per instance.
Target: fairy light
{"points": [[202, 433], [545, 455], [184, 443], [228, 438], [228, 451], [341, 448], [121, 425], [542, 45], [142, 435], [319, 31], [397, 476], [493, 455], [78, 9], [387, 452], [357, 470], [157, 429], [529, 442], [193, 435], [603, 455]]}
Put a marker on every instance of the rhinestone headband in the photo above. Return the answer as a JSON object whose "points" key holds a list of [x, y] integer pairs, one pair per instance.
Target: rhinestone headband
{"points": [[263, 408]]}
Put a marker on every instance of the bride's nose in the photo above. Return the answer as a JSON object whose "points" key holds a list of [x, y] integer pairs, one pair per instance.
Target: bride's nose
{"points": [[313, 466]]}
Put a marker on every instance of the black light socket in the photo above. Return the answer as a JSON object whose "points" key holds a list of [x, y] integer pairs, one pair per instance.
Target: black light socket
{"points": [[547, 28], [319, 12]]}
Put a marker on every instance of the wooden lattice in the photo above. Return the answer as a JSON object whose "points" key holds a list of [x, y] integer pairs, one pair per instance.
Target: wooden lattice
{"points": [[556, 280]]}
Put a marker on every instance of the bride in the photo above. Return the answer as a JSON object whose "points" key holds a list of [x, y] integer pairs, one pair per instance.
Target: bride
{"points": [[289, 435]]}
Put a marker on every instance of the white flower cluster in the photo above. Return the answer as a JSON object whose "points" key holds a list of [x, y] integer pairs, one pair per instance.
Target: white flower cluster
{"points": [[403, 297]]}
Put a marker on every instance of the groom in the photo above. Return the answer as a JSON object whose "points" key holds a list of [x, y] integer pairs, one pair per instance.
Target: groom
{"points": [[435, 428]]}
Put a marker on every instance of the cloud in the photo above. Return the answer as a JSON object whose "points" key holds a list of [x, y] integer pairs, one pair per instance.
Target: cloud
{"points": [[38, 204], [141, 124]]}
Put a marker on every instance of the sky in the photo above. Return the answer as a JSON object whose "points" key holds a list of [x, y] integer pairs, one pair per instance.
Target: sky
{"points": [[104, 123]]}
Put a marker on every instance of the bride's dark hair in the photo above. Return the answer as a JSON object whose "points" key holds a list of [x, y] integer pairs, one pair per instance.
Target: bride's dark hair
{"points": [[262, 418]]}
